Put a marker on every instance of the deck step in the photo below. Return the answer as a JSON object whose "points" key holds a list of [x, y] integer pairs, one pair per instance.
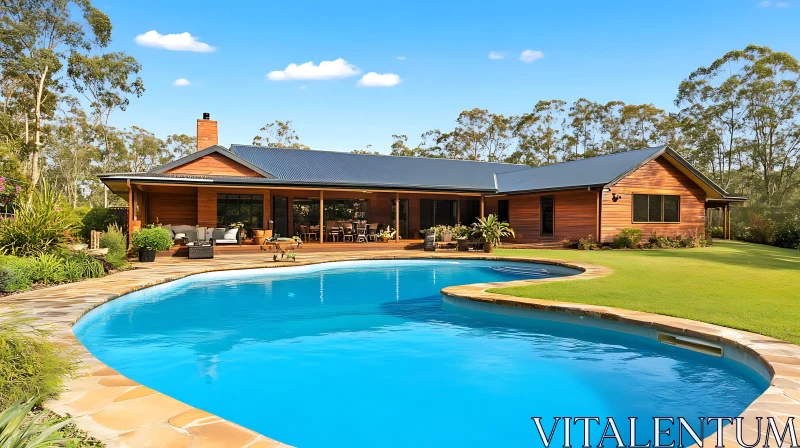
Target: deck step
{"points": [[520, 270]]}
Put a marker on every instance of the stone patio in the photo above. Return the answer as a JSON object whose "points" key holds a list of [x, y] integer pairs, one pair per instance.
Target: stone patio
{"points": [[123, 413]]}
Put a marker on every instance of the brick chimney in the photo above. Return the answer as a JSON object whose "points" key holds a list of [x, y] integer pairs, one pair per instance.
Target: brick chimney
{"points": [[207, 134]]}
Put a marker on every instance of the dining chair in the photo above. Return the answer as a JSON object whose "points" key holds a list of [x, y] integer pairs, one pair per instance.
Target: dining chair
{"points": [[361, 234], [333, 230], [372, 232], [347, 228]]}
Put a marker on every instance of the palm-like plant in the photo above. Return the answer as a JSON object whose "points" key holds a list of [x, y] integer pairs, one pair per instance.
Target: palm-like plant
{"points": [[491, 229], [19, 430]]}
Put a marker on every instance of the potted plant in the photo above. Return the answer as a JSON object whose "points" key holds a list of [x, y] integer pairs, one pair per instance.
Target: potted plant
{"points": [[149, 240], [490, 230]]}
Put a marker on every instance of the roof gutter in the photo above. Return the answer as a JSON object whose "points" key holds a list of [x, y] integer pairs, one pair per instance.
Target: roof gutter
{"points": [[276, 183], [546, 190]]}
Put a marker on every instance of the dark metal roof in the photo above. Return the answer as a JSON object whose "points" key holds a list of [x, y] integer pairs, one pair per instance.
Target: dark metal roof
{"points": [[320, 169], [592, 172], [374, 171], [211, 149]]}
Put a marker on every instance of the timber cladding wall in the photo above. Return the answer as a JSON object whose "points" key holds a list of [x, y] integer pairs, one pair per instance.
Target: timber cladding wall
{"points": [[656, 177], [207, 203], [575, 215], [214, 164], [170, 205]]}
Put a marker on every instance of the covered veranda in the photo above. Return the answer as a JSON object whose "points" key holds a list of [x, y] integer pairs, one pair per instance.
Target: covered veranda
{"points": [[723, 208], [319, 216]]}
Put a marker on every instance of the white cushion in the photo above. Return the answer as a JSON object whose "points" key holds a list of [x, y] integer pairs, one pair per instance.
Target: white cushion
{"points": [[201, 234], [182, 229], [231, 234], [179, 236], [226, 241]]}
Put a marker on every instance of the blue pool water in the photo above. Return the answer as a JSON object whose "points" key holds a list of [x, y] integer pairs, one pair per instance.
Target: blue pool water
{"points": [[366, 354]]}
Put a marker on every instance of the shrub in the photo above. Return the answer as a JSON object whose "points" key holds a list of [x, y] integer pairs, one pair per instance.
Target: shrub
{"points": [[716, 232], [787, 234], [117, 244], [761, 230], [627, 238], [663, 242], [20, 428], [47, 269], [588, 243], [80, 265], [30, 364], [39, 225], [152, 238], [14, 274], [98, 218]]}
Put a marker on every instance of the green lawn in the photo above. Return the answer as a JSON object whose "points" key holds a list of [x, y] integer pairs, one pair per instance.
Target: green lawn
{"points": [[740, 285]]}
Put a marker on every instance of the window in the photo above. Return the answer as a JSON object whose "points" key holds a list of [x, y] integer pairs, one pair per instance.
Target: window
{"points": [[346, 209], [548, 212], [437, 212], [244, 208], [502, 210], [656, 208]]}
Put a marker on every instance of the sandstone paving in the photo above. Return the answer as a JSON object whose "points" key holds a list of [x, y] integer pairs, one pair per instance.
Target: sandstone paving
{"points": [[122, 413]]}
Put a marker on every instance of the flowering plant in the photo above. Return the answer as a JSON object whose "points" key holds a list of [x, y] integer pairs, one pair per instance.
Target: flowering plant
{"points": [[8, 193]]}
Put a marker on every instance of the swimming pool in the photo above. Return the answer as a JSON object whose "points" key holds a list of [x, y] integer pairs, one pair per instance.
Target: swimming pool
{"points": [[365, 354]]}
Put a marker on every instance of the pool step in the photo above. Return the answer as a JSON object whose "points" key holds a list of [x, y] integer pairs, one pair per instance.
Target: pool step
{"points": [[519, 270], [690, 343]]}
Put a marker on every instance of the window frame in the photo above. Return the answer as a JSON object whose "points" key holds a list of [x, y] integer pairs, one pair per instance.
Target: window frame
{"points": [[251, 201], [649, 195]]}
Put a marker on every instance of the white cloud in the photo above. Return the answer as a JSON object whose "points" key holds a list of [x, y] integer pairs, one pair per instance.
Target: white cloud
{"points": [[373, 79], [401, 58], [764, 4], [302, 87], [181, 82], [530, 55], [769, 4], [782, 4], [175, 42], [496, 55], [308, 71]]}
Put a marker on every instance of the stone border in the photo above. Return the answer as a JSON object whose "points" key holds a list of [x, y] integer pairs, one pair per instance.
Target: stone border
{"points": [[781, 359], [123, 413]]}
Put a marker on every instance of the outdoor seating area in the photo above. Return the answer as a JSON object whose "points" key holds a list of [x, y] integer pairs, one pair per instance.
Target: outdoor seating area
{"points": [[186, 235], [344, 231]]}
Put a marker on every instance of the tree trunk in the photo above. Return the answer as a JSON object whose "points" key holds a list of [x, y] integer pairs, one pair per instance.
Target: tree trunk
{"points": [[35, 170]]}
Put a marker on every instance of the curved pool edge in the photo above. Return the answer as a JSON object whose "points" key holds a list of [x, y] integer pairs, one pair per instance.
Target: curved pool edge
{"points": [[123, 413], [781, 359]]}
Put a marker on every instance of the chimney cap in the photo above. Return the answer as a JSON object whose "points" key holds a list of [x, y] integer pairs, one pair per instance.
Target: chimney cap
{"points": [[206, 116]]}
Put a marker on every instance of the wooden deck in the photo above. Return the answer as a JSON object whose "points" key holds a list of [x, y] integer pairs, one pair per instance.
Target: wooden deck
{"points": [[312, 246]]}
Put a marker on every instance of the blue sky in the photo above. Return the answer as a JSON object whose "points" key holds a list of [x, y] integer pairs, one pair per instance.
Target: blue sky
{"points": [[633, 51]]}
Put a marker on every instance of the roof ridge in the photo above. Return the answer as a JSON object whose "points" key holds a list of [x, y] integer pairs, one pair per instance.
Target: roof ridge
{"points": [[376, 155], [660, 147]]}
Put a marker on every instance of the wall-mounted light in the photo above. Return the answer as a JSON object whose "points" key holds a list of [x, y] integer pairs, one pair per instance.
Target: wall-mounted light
{"points": [[607, 189], [616, 197]]}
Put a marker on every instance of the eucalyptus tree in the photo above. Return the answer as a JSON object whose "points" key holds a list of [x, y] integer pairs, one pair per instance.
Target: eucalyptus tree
{"points": [[181, 145], [143, 150], [106, 81], [278, 134], [540, 133], [584, 132], [744, 109], [36, 40], [69, 156]]}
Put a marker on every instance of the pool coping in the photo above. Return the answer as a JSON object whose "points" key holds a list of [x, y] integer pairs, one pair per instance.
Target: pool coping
{"points": [[123, 413]]}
